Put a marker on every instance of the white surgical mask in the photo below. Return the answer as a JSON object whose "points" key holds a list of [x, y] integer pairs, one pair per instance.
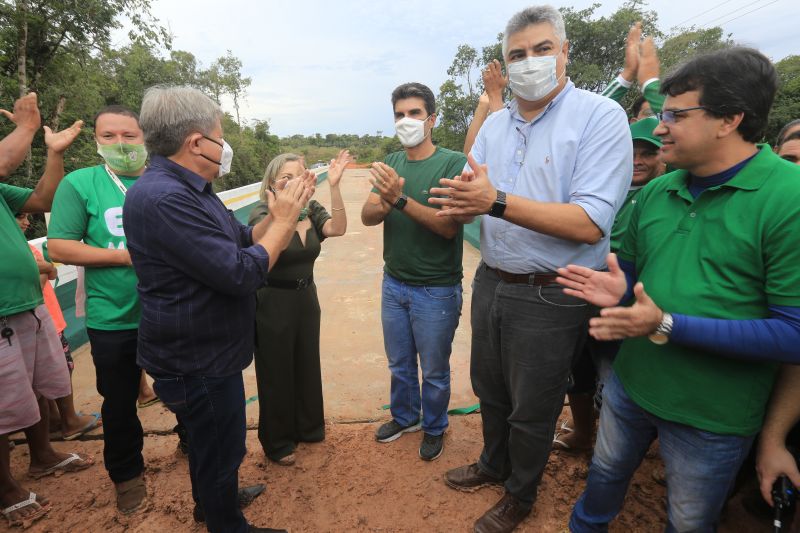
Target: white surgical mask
{"points": [[410, 131], [225, 158], [533, 78]]}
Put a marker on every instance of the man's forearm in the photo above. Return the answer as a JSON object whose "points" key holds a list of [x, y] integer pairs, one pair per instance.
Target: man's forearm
{"points": [[80, 254], [784, 406], [13, 150], [426, 216], [41, 201], [565, 221], [260, 229], [373, 213]]}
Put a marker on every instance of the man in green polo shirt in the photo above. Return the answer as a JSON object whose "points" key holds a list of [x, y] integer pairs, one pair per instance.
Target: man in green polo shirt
{"points": [[716, 246], [421, 301], [86, 230]]}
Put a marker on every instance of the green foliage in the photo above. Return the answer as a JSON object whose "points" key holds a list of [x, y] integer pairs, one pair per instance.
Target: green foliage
{"points": [[316, 148], [68, 61], [787, 102]]}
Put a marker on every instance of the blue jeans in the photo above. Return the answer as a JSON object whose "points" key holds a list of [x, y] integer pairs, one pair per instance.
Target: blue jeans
{"points": [[419, 319], [701, 466], [212, 409]]}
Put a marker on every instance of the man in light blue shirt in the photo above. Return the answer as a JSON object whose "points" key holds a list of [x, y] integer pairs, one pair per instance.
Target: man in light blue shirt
{"points": [[550, 170]]}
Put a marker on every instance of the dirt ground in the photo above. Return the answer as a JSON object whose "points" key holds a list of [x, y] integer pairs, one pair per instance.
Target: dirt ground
{"points": [[348, 482]]}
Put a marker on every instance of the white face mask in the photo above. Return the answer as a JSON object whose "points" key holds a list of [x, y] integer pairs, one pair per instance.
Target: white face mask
{"points": [[410, 131], [533, 78], [225, 160]]}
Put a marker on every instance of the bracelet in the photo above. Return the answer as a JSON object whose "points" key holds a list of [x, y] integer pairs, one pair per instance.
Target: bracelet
{"points": [[337, 208]]}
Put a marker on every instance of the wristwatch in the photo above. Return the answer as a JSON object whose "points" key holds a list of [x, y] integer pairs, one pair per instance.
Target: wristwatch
{"points": [[499, 205], [401, 202], [661, 334]]}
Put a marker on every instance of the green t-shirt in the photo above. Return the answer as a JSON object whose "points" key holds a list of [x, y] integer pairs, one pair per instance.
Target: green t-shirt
{"points": [[728, 254], [623, 218], [19, 275], [88, 207], [412, 253]]}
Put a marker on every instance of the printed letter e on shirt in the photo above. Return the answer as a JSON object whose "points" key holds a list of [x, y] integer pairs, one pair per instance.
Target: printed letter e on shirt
{"points": [[113, 218]]}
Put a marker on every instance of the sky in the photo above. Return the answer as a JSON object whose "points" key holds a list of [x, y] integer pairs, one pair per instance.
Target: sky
{"points": [[322, 66]]}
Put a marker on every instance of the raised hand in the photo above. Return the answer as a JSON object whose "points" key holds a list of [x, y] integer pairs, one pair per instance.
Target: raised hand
{"points": [[649, 65], [472, 194], [337, 166], [59, 142], [26, 113], [285, 205], [631, 65], [385, 179], [495, 83], [603, 289], [642, 318]]}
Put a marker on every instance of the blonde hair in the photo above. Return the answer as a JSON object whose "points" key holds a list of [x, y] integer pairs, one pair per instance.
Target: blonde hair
{"points": [[273, 169]]}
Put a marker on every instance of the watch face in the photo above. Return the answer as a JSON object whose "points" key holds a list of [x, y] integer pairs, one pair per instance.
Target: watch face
{"points": [[658, 338]]}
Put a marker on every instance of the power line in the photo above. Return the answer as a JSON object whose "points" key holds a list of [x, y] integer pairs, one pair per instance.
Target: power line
{"points": [[703, 13], [726, 15], [752, 11]]}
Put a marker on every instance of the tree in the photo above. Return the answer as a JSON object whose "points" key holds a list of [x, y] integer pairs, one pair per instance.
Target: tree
{"points": [[225, 77], [787, 102]]}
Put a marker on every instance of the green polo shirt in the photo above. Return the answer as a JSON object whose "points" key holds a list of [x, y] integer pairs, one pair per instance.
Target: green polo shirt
{"points": [[19, 275], [88, 207], [412, 253], [623, 218], [728, 254]]}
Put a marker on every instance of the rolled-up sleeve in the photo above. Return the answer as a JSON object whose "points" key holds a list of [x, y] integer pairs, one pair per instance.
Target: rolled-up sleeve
{"points": [[604, 168], [192, 241]]}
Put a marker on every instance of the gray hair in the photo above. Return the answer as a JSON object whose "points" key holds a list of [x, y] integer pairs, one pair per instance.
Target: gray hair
{"points": [[171, 113], [535, 15], [273, 169]]}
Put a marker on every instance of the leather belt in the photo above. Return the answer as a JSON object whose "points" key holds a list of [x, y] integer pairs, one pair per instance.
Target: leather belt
{"points": [[295, 284], [534, 278]]}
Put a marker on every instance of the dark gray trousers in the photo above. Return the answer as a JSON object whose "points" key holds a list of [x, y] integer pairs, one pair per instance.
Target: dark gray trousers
{"points": [[524, 341]]}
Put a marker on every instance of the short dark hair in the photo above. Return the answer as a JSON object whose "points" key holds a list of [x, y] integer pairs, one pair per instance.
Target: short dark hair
{"points": [[782, 137], [730, 81], [415, 90], [117, 110], [637, 106]]}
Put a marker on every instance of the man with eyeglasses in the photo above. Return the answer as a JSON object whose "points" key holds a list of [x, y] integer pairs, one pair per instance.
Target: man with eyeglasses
{"points": [[710, 257], [550, 170]]}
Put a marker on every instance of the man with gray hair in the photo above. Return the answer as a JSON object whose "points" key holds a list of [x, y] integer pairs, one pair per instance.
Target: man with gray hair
{"points": [[199, 269], [550, 169]]}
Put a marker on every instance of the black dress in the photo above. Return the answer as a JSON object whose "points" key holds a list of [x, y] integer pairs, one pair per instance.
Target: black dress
{"points": [[287, 345]]}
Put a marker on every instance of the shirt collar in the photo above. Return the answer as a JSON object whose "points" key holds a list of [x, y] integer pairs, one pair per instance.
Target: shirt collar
{"points": [[513, 105], [749, 178], [195, 181]]}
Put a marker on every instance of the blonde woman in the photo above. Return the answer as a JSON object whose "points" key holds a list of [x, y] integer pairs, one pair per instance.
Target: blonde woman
{"points": [[288, 318]]}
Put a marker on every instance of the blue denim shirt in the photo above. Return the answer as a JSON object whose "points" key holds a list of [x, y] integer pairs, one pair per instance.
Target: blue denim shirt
{"points": [[198, 272], [578, 151]]}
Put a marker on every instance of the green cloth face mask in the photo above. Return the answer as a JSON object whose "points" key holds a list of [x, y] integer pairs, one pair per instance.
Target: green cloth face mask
{"points": [[123, 158]]}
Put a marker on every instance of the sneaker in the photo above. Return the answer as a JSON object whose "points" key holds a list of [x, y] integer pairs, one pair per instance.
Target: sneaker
{"points": [[391, 430], [432, 447]]}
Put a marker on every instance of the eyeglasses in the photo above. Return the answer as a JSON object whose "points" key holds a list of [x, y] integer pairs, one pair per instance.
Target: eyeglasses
{"points": [[668, 116]]}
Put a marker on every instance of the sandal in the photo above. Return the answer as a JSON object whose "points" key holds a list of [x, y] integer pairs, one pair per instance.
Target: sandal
{"points": [[26, 521], [94, 424], [561, 445], [73, 463]]}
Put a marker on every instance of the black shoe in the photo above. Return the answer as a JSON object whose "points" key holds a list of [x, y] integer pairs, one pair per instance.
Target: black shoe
{"points": [[431, 447], [254, 529], [246, 497], [392, 430]]}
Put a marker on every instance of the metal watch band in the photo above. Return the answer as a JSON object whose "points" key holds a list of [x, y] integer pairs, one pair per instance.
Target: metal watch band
{"points": [[499, 205]]}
